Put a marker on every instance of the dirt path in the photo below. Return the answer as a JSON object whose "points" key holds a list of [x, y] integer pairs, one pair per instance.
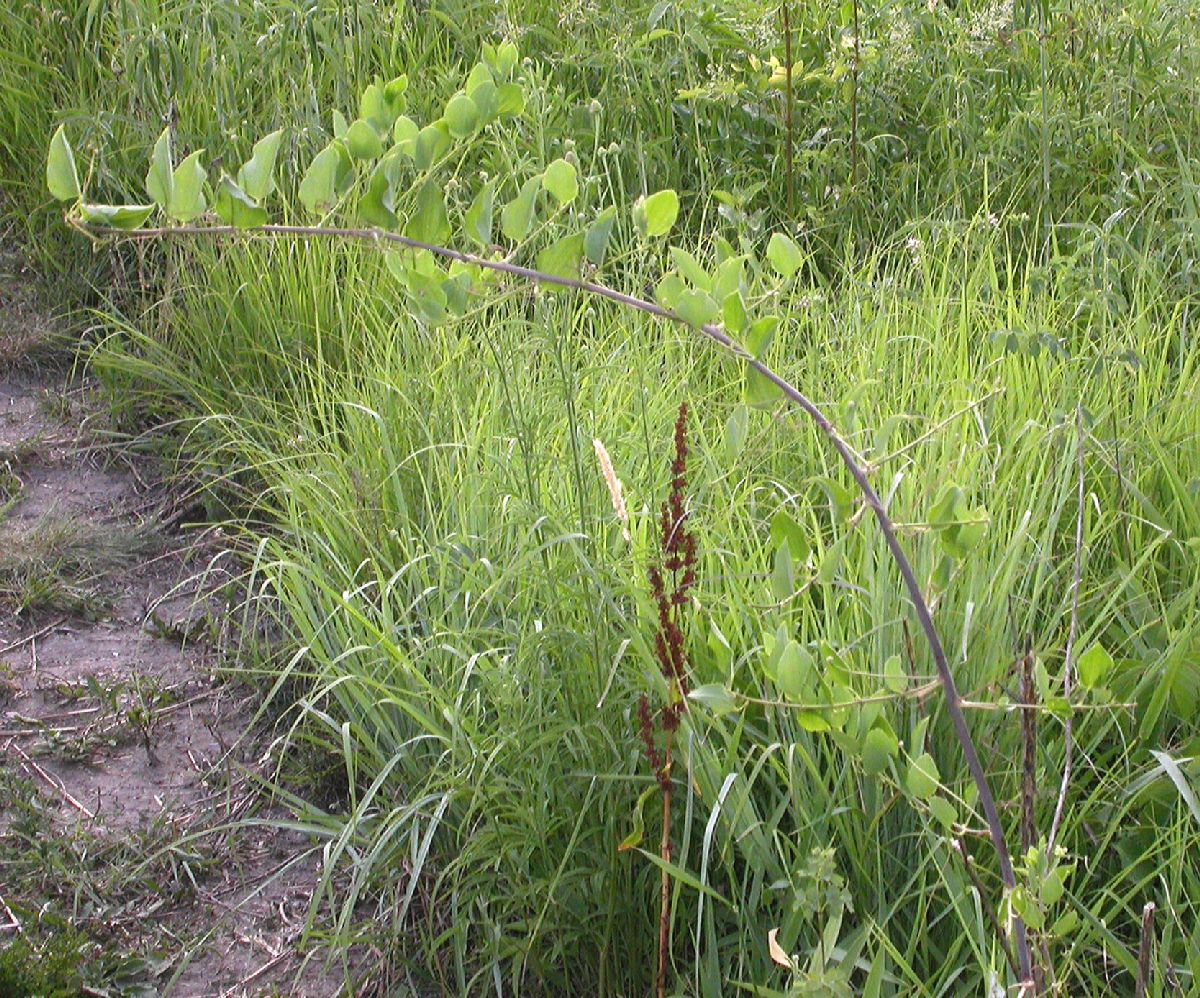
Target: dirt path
{"points": [[123, 753]]}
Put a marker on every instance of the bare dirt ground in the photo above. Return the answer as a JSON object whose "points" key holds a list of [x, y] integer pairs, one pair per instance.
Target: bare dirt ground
{"points": [[128, 799]]}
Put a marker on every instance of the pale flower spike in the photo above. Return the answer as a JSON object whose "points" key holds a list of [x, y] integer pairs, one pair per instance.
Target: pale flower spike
{"points": [[614, 487]]}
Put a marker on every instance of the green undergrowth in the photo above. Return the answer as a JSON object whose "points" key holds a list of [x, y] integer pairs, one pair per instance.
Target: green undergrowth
{"points": [[996, 211], [944, 111], [474, 627]]}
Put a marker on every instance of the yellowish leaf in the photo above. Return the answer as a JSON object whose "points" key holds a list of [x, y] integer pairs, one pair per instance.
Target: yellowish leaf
{"points": [[777, 952]]}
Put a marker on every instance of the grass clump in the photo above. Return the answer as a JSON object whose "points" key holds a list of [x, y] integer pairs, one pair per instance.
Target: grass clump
{"points": [[67, 564], [49, 969], [477, 662]]}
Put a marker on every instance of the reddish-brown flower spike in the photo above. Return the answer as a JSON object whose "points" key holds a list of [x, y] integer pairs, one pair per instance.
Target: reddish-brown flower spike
{"points": [[670, 581], [646, 729]]}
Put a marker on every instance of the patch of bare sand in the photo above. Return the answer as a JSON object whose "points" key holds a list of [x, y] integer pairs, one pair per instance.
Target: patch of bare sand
{"points": [[120, 717]]}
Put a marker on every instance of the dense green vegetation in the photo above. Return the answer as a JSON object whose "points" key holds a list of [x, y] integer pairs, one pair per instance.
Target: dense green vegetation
{"points": [[998, 224]]}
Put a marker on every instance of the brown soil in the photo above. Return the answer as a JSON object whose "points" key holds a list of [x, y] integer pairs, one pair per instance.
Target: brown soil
{"points": [[117, 713]]}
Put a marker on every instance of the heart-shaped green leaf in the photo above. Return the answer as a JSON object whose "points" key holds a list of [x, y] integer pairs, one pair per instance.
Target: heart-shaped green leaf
{"points": [[879, 748], [257, 175], [378, 204], [922, 778], [562, 257], [478, 220], [429, 223], [61, 176], [1093, 667], [561, 181], [785, 530], [462, 115], [235, 207], [785, 256], [363, 141], [715, 697], [595, 241], [327, 178], [517, 217], [654, 215], [433, 142], [187, 189], [794, 672], [159, 178]]}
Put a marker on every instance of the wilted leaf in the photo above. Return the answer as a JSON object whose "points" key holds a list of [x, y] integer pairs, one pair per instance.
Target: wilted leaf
{"points": [[778, 955], [118, 216]]}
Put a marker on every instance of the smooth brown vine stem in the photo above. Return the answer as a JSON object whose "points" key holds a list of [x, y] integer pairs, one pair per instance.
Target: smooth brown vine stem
{"points": [[718, 335]]}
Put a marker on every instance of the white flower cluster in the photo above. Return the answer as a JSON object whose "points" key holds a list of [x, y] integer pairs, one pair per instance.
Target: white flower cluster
{"points": [[577, 13], [987, 24]]}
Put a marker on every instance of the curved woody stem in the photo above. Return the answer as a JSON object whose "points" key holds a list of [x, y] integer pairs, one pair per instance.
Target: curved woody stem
{"points": [[716, 333]]}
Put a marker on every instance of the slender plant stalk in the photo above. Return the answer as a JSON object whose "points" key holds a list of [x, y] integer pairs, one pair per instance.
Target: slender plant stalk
{"points": [[1145, 951], [664, 851], [1045, 130], [854, 106], [989, 913], [1072, 633], [1028, 828], [789, 110], [954, 702], [1029, 745]]}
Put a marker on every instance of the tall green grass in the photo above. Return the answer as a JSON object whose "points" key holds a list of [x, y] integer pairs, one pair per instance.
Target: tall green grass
{"points": [[467, 627], [474, 627]]}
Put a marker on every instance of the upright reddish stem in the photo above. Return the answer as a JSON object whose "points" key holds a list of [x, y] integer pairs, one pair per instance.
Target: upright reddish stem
{"points": [[664, 851]]}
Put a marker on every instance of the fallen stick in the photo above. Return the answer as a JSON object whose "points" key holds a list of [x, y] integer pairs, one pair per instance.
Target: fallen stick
{"points": [[32, 767]]}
